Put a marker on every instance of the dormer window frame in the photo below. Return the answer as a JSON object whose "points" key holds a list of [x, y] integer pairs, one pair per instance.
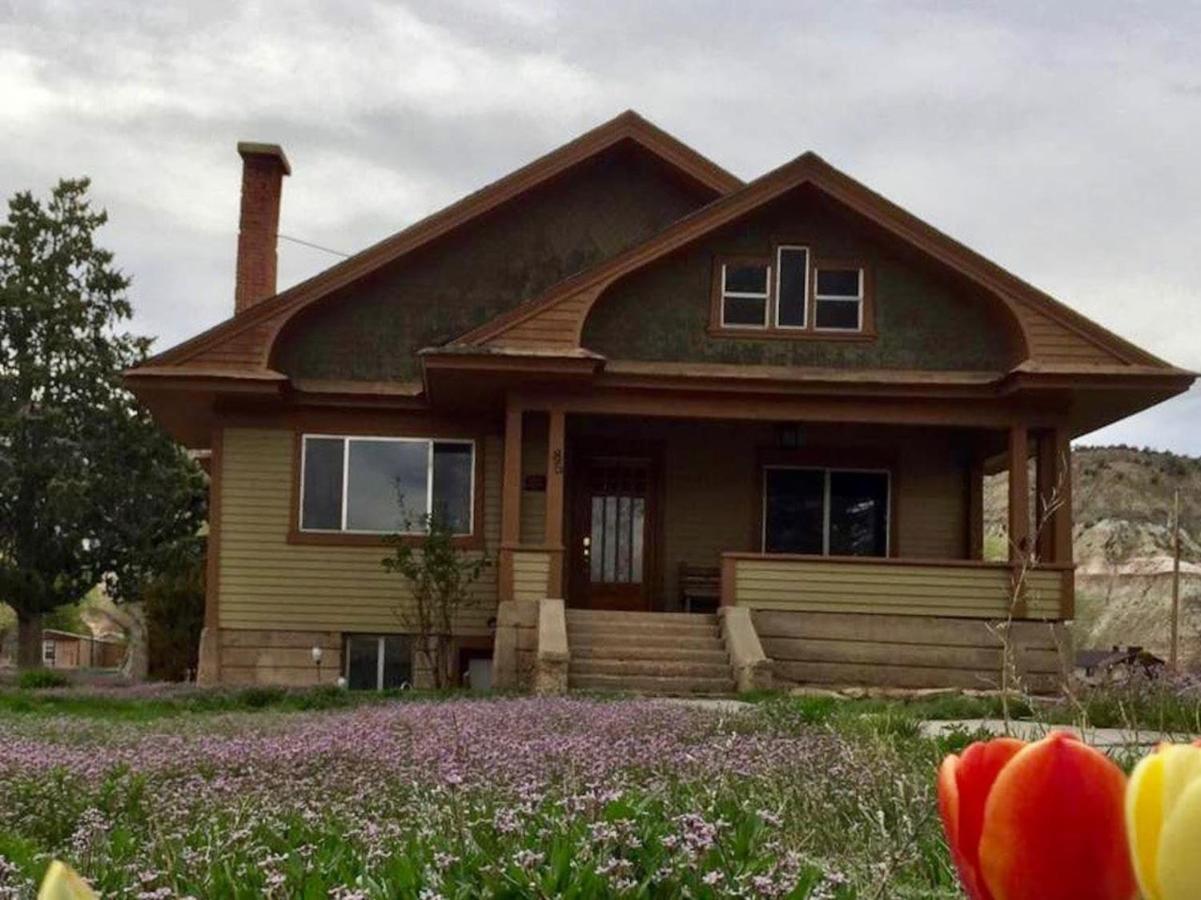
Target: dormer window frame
{"points": [[773, 329]]}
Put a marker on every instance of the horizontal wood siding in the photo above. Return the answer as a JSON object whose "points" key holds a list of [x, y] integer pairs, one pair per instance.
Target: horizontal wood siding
{"points": [[268, 583], [1055, 343], [533, 462], [879, 587], [931, 498], [531, 574], [908, 651], [554, 328]]}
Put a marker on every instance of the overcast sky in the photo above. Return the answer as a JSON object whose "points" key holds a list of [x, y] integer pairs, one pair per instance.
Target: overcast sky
{"points": [[1061, 140]]}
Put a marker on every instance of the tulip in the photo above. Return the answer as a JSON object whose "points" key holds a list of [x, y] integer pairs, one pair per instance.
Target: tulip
{"points": [[1163, 821], [63, 883], [1036, 820]]}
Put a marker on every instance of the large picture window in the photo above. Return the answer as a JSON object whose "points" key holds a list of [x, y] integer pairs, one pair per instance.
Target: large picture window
{"points": [[828, 512], [375, 485]]}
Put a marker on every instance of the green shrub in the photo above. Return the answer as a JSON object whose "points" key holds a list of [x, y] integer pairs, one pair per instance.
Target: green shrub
{"points": [[33, 679]]}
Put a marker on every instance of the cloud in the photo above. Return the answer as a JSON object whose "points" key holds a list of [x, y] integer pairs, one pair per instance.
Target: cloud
{"points": [[1057, 139]]}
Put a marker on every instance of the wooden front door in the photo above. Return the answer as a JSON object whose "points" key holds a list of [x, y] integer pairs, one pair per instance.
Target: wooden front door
{"points": [[613, 521]]}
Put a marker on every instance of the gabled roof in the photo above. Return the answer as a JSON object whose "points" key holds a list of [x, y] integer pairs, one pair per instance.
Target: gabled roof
{"points": [[577, 294], [255, 327]]}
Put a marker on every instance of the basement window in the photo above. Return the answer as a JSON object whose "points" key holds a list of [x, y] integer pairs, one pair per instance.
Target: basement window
{"points": [[825, 512], [838, 299], [378, 662], [378, 485]]}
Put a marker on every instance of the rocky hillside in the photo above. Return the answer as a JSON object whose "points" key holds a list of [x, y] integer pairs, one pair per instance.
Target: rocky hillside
{"points": [[1122, 507]]}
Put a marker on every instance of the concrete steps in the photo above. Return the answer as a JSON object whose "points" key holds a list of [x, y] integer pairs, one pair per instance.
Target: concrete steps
{"points": [[655, 653]]}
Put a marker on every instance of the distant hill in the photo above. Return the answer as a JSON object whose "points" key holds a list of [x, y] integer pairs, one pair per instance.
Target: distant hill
{"points": [[1122, 509]]}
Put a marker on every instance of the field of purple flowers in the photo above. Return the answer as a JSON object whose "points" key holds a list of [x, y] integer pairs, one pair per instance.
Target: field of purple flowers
{"points": [[469, 798]]}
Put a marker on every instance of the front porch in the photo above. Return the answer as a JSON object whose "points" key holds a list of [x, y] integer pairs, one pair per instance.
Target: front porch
{"points": [[614, 513]]}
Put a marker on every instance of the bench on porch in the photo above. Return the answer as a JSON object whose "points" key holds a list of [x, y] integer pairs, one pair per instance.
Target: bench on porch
{"points": [[700, 587]]}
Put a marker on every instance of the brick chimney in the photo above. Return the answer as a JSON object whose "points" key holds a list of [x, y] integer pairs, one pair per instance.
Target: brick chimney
{"points": [[263, 169]]}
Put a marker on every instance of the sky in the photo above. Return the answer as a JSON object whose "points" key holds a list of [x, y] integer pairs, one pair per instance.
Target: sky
{"points": [[1061, 140]]}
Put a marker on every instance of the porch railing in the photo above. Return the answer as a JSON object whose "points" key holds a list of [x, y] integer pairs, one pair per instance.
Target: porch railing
{"points": [[918, 587]]}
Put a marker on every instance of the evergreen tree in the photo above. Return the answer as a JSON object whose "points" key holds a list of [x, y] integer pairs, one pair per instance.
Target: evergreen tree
{"points": [[91, 491]]}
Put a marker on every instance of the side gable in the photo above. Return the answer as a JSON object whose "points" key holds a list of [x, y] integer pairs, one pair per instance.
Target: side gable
{"points": [[1050, 332], [245, 340]]}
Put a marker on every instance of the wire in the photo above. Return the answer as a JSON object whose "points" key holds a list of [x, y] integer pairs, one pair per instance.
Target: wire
{"points": [[314, 246]]}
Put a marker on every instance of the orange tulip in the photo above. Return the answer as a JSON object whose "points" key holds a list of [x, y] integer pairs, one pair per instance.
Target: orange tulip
{"points": [[1037, 821]]}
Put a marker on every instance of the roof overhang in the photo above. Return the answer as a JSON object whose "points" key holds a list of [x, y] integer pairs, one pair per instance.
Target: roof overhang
{"points": [[473, 378], [184, 400]]}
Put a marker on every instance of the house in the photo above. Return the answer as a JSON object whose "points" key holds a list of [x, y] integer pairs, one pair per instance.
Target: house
{"points": [[644, 388], [1117, 664], [68, 650]]}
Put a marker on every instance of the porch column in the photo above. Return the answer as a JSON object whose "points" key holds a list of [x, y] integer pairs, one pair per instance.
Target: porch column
{"points": [[510, 500], [554, 501], [1019, 493]]}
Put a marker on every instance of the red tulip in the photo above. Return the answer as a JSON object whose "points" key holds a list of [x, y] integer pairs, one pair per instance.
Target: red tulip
{"points": [[1038, 821]]}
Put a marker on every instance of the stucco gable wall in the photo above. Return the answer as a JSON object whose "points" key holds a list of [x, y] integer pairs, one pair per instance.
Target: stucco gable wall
{"points": [[371, 330], [924, 318]]}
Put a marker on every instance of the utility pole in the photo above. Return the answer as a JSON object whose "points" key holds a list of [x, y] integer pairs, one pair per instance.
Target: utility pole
{"points": [[1176, 583]]}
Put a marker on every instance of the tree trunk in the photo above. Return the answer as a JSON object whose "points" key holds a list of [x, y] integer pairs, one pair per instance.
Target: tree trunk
{"points": [[29, 640], [132, 617]]}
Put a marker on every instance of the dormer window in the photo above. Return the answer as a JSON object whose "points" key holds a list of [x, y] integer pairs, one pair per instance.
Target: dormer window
{"points": [[793, 294], [745, 293], [838, 299]]}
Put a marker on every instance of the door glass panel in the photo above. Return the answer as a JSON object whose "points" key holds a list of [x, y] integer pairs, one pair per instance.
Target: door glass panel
{"points": [[793, 510], [858, 513], [623, 539], [362, 666], [611, 538], [617, 530], [596, 544], [637, 532]]}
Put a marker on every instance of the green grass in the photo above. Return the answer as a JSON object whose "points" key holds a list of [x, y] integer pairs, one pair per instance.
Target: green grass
{"points": [[115, 704], [1144, 706]]}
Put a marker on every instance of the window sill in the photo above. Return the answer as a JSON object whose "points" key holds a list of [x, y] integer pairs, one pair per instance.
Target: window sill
{"points": [[335, 539], [790, 334]]}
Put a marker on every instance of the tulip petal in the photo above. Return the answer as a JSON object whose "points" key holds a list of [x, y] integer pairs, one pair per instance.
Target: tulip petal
{"points": [[63, 883], [1144, 821], [1181, 767], [1179, 863], [963, 786], [1054, 826]]}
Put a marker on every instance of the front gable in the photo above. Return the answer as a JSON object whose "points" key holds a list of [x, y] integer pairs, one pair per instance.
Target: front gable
{"points": [[373, 329], [611, 187], [914, 314], [985, 300]]}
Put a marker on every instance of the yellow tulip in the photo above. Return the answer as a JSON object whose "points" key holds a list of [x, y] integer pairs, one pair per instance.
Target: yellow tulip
{"points": [[63, 883], [1163, 822]]}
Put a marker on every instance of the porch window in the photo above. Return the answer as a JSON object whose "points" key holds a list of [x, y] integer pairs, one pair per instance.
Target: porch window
{"points": [[838, 299], [829, 512], [375, 485], [744, 294], [378, 662]]}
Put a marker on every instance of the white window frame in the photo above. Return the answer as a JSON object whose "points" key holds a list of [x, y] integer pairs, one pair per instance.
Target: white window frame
{"points": [[826, 473], [429, 479], [805, 301], [857, 299], [49, 652], [747, 295]]}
